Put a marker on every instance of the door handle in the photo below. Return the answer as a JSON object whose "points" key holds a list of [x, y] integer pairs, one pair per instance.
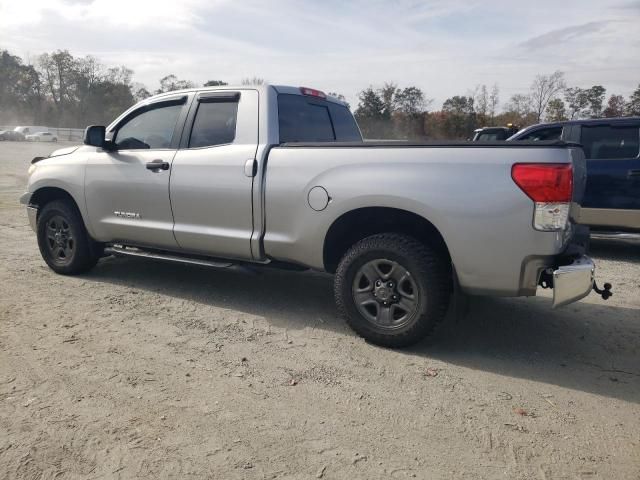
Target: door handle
{"points": [[157, 165], [633, 173]]}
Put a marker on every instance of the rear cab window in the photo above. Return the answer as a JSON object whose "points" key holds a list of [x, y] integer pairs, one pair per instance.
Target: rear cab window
{"points": [[610, 141], [311, 119]]}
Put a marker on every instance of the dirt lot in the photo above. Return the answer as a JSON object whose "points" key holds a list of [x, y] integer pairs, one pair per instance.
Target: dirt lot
{"points": [[149, 370]]}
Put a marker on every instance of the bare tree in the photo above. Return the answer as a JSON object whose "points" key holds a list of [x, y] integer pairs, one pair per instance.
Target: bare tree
{"points": [[494, 100], [544, 89], [519, 104], [481, 101], [253, 81]]}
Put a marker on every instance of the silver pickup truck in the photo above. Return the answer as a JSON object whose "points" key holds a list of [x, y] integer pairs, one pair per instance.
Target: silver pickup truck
{"points": [[280, 176]]}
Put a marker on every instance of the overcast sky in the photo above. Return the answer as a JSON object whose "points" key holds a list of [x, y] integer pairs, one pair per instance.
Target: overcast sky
{"points": [[443, 47]]}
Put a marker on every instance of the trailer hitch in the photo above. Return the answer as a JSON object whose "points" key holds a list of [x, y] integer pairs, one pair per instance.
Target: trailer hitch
{"points": [[605, 293]]}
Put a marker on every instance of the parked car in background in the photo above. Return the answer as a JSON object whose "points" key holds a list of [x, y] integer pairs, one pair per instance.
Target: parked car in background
{"points": [[492, 134], [611, 203], [11, 135], [30, 129], [42, 137]]}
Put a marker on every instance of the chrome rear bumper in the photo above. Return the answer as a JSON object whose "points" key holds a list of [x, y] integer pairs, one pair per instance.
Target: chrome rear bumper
{"points": [[573, 282]]}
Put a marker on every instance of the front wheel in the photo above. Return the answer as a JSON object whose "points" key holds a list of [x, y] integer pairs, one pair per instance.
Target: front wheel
{"points": [[392, 289], [63, 239]]}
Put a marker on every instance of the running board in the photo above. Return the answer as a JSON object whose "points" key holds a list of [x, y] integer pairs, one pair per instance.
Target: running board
{"points": [[615, 236], [120, 250]]}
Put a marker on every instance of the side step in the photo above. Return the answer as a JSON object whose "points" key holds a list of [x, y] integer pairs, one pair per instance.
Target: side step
{"points": [[633, 237], [121, 250]]}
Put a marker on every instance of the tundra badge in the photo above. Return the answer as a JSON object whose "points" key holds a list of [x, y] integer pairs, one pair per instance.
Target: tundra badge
{"points": [[133, 215]]}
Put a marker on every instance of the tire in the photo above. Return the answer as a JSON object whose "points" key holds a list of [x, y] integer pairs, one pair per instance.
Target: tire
{"points": [[403, 312], [63, 240]]}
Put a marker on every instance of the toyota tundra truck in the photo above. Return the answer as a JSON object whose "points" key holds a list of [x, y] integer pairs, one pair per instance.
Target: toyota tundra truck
{"points": [[280, 176]]}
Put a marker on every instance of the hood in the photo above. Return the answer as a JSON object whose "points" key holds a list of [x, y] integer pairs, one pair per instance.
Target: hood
{"points": [[64, 151], [58, 153]]}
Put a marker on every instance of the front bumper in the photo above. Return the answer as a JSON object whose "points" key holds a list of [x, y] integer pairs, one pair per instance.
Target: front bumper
{"points": [[32, 213], [573, 282]]}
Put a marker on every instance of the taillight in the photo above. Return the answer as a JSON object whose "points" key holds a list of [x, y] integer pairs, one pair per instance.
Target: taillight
{"points": [[550, 186], [312, 92]]}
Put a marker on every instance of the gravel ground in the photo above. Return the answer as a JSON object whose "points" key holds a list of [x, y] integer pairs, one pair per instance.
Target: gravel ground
{"points": [[149, 370]]}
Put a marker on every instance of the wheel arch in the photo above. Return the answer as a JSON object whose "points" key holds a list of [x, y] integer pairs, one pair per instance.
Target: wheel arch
{"points": [[44, 195], [360, 223]]}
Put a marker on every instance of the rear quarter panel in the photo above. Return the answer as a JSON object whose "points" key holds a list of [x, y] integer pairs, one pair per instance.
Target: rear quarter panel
{"points": [[466, 193]]}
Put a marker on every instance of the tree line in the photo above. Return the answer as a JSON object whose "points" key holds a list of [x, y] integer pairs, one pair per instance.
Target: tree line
{"points": [[403, 113], [60, 89]]}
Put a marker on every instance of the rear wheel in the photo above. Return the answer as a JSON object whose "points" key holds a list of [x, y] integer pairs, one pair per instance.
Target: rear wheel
{"points": [[63, 239], [392, 289]]}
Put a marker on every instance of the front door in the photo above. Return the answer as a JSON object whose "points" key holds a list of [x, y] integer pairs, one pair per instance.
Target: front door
{"points": [[128, 186]]}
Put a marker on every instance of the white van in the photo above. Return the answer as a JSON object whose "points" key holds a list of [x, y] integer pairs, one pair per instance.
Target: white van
{"points": [[31, 129]]}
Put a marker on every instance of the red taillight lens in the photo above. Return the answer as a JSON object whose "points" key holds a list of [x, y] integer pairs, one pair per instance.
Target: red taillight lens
{"points": [[544, 182]]}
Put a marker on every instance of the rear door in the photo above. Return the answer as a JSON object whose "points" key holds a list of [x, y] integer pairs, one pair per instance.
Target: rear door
{"points": [[212, 175], [612, 195]]}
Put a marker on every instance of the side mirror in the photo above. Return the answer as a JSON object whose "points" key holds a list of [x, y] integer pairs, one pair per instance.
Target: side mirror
{"points": [[94, 136]]}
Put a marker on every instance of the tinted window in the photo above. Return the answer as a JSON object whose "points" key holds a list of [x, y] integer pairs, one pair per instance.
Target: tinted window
{"points": [[149, 129], [215, 124], [344, 124], [553, 133], [604, 141], [305, 119], [489, 137]]}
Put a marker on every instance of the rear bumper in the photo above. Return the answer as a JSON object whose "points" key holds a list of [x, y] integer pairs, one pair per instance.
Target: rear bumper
{"points": [[573, 282]]}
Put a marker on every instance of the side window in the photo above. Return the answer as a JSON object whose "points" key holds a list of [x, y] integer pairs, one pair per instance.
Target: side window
{"points": [[215, 123], [488, 137], [606, 141], [151, 128], [553, 133], [303, 120]]}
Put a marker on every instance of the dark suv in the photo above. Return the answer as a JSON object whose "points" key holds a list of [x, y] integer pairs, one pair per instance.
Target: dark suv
{"points": [[611, 203]]}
